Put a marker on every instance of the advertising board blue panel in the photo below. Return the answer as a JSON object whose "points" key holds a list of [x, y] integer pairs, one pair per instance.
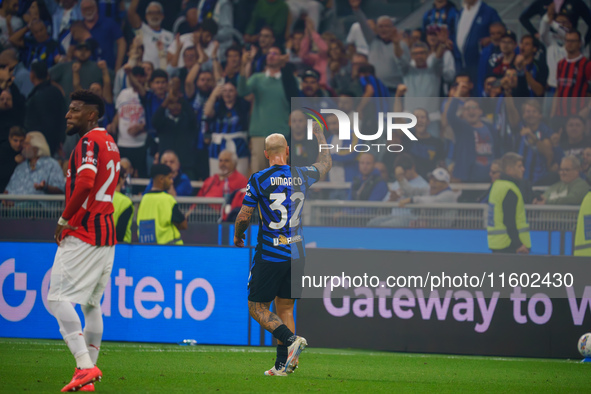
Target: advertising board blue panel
{"points": [[156, 293]]}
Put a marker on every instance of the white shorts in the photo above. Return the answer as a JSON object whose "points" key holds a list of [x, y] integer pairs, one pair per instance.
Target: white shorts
{"points": [[80, 272]]}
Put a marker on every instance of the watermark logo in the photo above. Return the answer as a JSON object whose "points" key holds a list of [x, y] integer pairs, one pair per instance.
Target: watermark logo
{"points": [[346, 127]]}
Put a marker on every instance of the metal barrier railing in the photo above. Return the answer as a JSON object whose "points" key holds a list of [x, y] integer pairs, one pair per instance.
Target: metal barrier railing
{"points": [[457, 216], [203, 209], [347, 185], [327, 213]]}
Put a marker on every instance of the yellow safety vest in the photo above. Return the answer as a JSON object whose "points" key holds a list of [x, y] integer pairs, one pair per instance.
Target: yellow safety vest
{"points": [[154, 220], [121, 203], [498, 238], [583, 233]]}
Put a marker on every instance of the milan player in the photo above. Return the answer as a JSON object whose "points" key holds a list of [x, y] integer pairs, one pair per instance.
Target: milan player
{"points": [[85, 235]]}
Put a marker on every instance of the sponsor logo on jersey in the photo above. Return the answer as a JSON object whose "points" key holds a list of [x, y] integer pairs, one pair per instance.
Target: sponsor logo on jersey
{"points": [[283, 240], [90, 160]]}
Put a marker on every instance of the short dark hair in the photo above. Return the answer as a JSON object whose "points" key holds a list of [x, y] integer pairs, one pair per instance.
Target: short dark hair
{"points": [[158, 73], [405, 161], [280, 48], [578, 33], [360, 54], [160, 169], [424, 111], [17, 131], [267, 27], [204, 72], [209, 25], [233, 47], [39, 69], [534, 40], [462, 74], [579, 117], [367, 69], [498, 23], [138, 70], [510, 159], [534, 104], [89, 98]]}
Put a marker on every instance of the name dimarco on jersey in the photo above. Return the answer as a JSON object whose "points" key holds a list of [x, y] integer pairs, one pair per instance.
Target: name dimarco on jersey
{"points": [[282, 181]]}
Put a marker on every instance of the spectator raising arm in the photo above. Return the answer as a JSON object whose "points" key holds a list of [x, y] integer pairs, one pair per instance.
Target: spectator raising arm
{"points": [[396, 39], [112, 127], [244, 87], [76, 76], [367, 31], [535, 8], [209, 108], [140, 89], [190, 81], [121, 48], [133, 17], [173, 58], [107, 86], [512, 112], [536, 87], [317, 60], [18, 38], [162, 62]]}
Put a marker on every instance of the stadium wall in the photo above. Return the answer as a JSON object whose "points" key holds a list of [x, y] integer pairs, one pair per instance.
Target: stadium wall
{"points": [[167, 294], [489, 304], [156, 294], [412, 239]]}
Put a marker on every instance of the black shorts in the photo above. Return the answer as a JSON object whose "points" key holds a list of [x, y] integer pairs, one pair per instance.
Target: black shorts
{"points": [[272, 279]]}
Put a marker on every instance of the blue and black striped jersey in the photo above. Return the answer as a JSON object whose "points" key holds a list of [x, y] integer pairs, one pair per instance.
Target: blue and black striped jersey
{"points": [[279, 192]]}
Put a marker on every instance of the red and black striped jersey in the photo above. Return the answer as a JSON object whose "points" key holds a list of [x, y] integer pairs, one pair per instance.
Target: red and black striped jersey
{"points": [[572, 80], [96, 151]]}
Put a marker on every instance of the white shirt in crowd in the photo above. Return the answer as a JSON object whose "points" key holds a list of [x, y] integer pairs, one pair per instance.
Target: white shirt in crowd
{"points": [[16, 23], [356, 38], [187, 42], [131, 112], [150, 37], [552, 36], [465, 23]]}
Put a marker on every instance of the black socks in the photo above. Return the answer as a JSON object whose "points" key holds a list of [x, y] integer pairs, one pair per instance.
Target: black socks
{"points": [[281, 357], [284, 334]]}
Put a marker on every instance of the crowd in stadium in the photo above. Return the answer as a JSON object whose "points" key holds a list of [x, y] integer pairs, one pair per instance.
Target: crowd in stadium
{"points": [[199, 84]]}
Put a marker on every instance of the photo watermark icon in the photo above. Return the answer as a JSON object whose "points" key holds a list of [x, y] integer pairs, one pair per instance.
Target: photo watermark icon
{"points": [[345, 127]]}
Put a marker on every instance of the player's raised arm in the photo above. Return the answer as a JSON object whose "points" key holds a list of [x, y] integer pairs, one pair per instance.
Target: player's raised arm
{"points": [[324, 159], [242, 222]]}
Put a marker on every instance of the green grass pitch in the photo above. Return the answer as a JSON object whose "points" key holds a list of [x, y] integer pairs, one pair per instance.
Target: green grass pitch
{"points": [[46, 366]]}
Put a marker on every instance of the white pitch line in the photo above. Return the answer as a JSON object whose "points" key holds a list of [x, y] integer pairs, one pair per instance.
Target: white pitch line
{"points": [[169, 348]]}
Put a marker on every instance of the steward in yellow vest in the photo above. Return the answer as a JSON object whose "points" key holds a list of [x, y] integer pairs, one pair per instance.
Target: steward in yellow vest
{"points": [[159, 218], [122, 215], [583, 233], [507, 229], [123, 211]]}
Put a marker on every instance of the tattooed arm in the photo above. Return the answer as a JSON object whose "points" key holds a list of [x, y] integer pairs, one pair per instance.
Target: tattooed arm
{"points": [[324, 159], [242, 222]]}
